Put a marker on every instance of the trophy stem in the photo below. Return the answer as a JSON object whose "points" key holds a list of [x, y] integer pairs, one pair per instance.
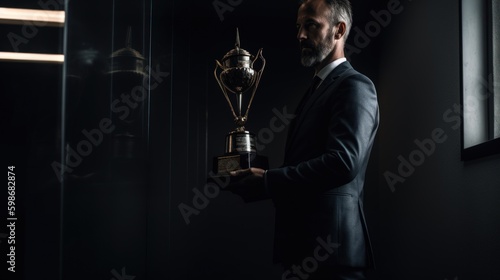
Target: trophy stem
{"points": [[239, 98]]}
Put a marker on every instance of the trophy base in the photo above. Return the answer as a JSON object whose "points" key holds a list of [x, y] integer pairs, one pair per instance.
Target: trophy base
{"points": [[231, 162]]}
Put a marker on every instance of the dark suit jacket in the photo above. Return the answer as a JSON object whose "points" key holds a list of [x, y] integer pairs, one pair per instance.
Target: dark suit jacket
{"points": [[319, 190]]}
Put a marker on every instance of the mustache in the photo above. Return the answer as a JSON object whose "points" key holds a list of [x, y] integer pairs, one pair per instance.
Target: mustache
{"points": [[306, 44]]}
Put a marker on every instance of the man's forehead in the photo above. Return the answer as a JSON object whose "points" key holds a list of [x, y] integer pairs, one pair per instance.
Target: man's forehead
{"points": [[311, 13], [313, 9]]}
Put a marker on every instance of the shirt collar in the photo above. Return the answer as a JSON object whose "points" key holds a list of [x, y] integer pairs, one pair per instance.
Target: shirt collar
{"points": [[323, 73]]}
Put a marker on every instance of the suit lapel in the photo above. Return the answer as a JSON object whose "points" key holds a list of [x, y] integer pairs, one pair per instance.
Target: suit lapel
{"points": [[329, 80]]}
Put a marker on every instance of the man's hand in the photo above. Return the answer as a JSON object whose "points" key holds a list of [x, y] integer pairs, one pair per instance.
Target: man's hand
{"points": [[247, 172], [248, 183]]}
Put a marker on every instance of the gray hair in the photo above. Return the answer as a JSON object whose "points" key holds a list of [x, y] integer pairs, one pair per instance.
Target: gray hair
{"points": [[340, 10]]}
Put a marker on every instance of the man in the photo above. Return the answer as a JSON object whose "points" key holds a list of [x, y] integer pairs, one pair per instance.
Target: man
{"points": [[320, 230]]}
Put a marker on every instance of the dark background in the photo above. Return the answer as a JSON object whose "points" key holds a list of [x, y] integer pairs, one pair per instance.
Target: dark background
{"points": [[117, 213]]}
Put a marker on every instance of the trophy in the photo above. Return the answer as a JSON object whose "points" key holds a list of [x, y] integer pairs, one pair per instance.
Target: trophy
{"points": [[237, 78]]}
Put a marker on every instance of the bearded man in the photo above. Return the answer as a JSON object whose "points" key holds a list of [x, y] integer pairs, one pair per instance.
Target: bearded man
{"points": [[320, 230]]}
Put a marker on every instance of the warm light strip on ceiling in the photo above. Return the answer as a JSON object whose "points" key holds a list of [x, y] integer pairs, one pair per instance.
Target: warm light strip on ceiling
{"points": [[31, 57], [31, 16]]}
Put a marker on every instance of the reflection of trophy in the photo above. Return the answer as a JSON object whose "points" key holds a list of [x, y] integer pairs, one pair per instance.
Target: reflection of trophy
{"points": [[237, 77], [126, 71]]}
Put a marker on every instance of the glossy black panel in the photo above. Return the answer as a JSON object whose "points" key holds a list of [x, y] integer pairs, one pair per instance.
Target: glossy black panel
{"points": [[106, 139]]}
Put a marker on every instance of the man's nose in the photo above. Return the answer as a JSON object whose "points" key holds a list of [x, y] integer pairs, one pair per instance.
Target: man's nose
{"points": [[301, 34]]}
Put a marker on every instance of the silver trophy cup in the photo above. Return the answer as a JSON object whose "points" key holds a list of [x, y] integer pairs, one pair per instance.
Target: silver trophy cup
{"points": [[237, 78]]}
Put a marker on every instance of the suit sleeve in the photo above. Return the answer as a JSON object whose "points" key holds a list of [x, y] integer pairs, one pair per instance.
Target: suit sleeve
{"points": [[353, 121]]}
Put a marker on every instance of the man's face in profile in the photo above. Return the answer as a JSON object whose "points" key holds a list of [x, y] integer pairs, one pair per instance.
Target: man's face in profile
{"points": [[315, 34]]}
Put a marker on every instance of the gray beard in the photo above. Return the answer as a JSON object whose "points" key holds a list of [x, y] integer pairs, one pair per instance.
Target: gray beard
{"points": [[315, 55], [312, 58]]}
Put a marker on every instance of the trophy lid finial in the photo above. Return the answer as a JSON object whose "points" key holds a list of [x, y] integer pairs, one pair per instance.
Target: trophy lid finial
{"points": [[237, 51], [237, 38], [128, 42]]}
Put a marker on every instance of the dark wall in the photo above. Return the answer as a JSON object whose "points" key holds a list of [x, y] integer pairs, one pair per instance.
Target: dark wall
{"points": [[442, 222]]}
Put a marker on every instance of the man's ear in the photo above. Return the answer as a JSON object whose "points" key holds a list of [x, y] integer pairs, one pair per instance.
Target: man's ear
{"points": [[341, 29]]}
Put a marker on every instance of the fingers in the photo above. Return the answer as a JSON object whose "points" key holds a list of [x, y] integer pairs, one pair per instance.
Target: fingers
{"points": [[258, 171], [241, 172], [245, 172]]}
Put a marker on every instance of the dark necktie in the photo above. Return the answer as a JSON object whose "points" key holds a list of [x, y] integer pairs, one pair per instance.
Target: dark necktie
{"points": [[314, 85]]}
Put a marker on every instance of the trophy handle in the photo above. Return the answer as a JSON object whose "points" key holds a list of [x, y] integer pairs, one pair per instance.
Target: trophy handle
{"points": [[257, 79], [217, 65], [257, 56]]}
